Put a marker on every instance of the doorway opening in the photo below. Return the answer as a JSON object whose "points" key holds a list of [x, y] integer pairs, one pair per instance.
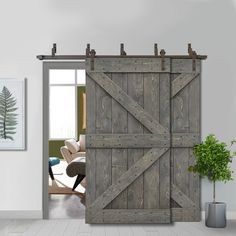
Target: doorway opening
{"points": [[64, 140]]}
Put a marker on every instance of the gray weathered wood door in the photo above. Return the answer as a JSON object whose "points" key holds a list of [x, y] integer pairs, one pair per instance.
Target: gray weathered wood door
{"points": [[128, 141], [185, 133], [142, 119]]}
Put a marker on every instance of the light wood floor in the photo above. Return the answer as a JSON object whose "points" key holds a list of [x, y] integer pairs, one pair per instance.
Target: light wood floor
{"points": [[79, 228]]}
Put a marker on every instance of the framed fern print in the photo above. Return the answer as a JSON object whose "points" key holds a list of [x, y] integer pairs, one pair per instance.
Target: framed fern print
{"points": [[12, 114]]}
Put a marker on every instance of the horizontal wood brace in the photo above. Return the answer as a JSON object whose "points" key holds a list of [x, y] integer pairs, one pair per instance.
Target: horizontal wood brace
{"points": [[127, 178], [186, 214], [184, 66], [185, 139], [128, 103], [127, 216], [141, 140], [125, 64], [127, 140]]}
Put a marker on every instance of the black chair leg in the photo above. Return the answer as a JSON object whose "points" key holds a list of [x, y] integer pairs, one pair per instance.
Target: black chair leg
{"points": [[77, 181], [50, 172]]}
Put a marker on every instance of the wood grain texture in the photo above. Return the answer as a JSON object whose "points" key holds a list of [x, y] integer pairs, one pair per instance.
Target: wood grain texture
{"points": [[165, 93], [181, 81], [185, 139], [127, 101], [127, 178], [126, 216], [130, 140], [119, 125], [195, 106], [90, 154], [184, 66], [185, 214], [103, 156], [165, 121], [165, 181], [135, 91], [194, 126], [131, 65], [194, 182], [181, 198], [180, 111], [172, 128], [151, 177], [181, 156], [180, 124]]}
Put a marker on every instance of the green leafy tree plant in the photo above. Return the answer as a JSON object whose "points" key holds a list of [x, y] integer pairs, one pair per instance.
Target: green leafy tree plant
{"points": [[212, 160], [8, 117]]}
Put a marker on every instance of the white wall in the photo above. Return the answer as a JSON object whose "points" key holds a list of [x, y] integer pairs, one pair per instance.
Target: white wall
{"points": [[29, 27]]}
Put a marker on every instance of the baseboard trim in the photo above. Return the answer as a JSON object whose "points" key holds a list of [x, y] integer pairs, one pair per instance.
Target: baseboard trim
{"points": [[230, 215], [21, 214]]}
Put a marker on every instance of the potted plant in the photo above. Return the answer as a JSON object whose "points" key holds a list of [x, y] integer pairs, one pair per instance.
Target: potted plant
{"points": [[212, 161]]}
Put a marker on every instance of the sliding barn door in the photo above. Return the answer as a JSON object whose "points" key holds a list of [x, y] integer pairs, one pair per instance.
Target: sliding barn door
{"points": [[185, 132], [128, 114], [143, 119]]}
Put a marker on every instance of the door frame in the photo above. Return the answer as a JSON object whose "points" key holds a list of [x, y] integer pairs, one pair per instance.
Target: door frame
{"points": [[46, 67]]}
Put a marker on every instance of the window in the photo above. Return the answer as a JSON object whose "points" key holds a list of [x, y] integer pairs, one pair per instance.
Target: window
{"points": [[63, 102], [81, 77]]}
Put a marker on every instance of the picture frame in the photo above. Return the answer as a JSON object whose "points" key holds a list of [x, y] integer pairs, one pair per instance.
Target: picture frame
{"points": [[12, 114]]}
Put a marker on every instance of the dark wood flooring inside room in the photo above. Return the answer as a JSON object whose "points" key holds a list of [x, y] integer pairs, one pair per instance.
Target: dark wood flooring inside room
{"points": [[66, 206]]}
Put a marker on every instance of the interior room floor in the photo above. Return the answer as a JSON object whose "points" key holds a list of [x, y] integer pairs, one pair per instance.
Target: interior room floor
{"points": [[79, 228], [65, 203], [66, 206], [63, 183]]}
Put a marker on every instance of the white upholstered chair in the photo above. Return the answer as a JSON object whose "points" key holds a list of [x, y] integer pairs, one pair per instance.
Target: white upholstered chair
{"points": [[74, 154], [73, 149]]}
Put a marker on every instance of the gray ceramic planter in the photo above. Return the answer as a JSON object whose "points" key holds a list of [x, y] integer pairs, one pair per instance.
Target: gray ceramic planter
{"points": [[215, 214]]}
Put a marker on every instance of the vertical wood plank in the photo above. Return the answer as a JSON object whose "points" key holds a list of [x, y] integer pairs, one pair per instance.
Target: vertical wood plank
{"points": [[181, 156], [152, 106], [172, 169], [180, 123], [194, 126], [103, 125], [135, 190], [119, 156], [90, 153], [165, 121], [180, 113], [165, 100]]}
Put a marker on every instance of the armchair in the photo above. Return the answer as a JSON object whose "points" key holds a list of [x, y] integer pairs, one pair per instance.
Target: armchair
{"points": [[74, 154], [73, 149]]}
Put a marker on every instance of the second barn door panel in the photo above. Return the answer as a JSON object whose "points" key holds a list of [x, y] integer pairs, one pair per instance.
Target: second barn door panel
{"points": [[185, 132]]}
